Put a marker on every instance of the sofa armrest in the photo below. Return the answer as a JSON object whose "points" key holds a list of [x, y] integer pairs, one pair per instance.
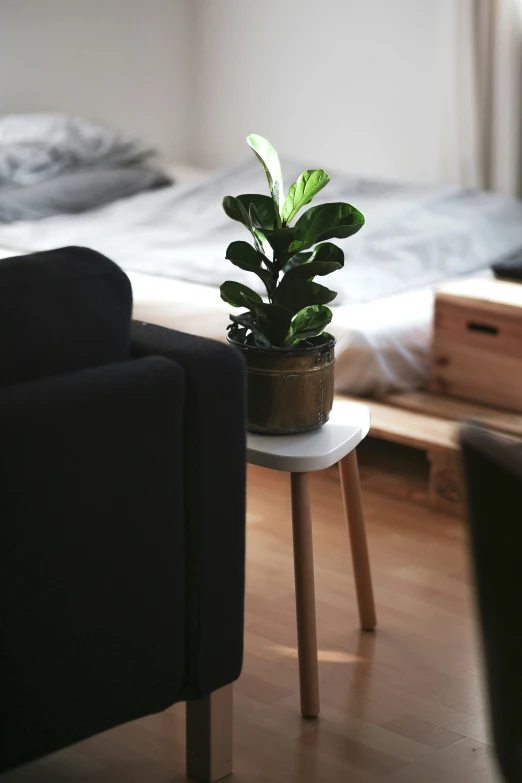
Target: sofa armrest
{"points": [[92, 582], [215, 479]]}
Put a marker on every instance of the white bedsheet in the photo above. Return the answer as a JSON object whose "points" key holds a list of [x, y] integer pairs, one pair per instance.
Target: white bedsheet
{"points": [[381, 346]]}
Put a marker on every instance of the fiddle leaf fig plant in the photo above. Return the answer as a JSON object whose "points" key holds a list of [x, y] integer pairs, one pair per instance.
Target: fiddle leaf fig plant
{"points": [[286, 258]]}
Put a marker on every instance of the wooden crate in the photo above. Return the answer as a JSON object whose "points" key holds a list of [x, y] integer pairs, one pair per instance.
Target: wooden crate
{"points": [[477, 342], [435, 435], [431, 423]]}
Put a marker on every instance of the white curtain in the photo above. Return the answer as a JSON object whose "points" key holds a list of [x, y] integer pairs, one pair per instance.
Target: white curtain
{"points": [[481, 113]]}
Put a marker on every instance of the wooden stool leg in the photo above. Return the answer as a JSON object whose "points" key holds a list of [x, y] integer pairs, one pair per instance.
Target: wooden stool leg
{"points": [[209, 736], [351, 489], [305, 594]]}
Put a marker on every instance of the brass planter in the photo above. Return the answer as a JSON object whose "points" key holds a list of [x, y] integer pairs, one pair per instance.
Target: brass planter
{"points": [[288, 392]]}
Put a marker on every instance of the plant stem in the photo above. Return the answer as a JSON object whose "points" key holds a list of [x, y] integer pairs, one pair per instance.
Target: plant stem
{"points": [[275, 276]]}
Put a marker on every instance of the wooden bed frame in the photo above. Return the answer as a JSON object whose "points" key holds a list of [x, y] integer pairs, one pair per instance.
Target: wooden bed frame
{"points": [[430, 422]]}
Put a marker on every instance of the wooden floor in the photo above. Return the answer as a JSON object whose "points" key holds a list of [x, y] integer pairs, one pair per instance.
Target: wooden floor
{"points": [[403, 705]]}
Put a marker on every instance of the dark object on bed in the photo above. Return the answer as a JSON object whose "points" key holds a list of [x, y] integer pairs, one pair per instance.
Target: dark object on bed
{"points": [[493, 470], [510, 267], [76, 191], [122, 527]]}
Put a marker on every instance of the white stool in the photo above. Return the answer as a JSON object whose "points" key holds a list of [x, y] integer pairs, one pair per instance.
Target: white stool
{"points": [[300, 455]]}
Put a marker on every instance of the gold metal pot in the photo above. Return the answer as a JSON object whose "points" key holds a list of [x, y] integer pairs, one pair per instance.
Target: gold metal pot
{"points": [[288, 391]]}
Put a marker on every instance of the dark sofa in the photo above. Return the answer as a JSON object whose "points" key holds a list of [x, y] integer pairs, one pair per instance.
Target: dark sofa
{"points": [[122, 531]]}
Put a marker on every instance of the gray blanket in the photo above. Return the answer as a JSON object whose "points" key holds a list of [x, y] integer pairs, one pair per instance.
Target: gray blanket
{"points": [[37, 147], [414, 236], [76, 191]]}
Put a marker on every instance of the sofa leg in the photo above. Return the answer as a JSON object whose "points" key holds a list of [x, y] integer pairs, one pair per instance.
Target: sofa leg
{"points": [[209, 736]]}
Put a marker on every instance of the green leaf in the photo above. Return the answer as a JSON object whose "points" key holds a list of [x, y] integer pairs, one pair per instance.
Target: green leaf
{"points": [[280, 239], [328, 253], [244, 256], [272, 319], [235, 210], [326, 258], [302, 192], [260, 240], [320, 339], [307, 324], [311, 270], [254, 217], [237, 333], [297, 260], [269, 159], [295, 295], [232, 293], [326, 221], [248, 320], [312, 318], [264, 207]]}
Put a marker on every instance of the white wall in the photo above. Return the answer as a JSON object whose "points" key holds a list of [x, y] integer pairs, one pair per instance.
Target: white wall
{"points": [[352, 84], [125, 62]]}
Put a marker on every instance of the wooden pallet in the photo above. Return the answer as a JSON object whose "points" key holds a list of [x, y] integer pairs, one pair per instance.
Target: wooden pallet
{"points": [[430, 422]]}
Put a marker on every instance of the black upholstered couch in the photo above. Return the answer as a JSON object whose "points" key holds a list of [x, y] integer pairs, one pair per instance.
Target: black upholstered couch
{"points": [[122, 481]]}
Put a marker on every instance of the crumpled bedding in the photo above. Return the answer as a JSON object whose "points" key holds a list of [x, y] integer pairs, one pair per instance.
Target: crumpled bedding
{"points": [[37, 147], [77, 191], [415, 236]]}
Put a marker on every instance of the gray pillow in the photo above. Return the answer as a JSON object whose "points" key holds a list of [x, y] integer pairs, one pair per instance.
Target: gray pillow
{"points": [[76, 192], [36, 147]]}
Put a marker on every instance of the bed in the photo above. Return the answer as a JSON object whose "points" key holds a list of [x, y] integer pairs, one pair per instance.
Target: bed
{"points": [[172, 241]]}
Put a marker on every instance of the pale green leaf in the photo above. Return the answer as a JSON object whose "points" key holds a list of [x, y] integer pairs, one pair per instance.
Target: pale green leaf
{"points": [[271, 164], [302, 192]]}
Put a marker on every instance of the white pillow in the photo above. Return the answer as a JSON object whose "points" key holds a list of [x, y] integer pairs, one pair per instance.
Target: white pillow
{"points": [[37, 147]]}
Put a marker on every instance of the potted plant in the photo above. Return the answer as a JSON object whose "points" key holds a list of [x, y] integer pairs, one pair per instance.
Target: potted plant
{"points": [[289, 355]]}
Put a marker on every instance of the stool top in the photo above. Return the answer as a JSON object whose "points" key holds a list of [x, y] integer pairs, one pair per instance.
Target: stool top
{"points": [[349, 423]]}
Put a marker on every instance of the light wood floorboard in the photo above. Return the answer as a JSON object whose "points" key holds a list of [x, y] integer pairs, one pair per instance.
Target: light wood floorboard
{"points": [[402, 705]]}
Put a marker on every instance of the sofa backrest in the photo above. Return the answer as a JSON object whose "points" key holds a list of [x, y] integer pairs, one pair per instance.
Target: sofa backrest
{"points": [[61, 311]]}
